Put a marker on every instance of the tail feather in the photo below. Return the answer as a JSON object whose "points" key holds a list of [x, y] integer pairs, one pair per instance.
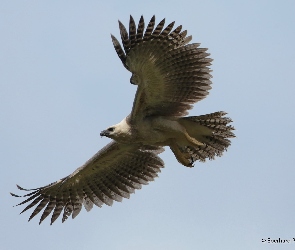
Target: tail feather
{"points": [[212, 130]]}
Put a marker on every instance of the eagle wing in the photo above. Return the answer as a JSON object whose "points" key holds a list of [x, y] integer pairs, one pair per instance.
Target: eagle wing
{"points": [[111, 174], [170, 73]]}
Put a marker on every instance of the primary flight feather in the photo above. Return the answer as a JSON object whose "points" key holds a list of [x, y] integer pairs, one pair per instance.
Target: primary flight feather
{"points": [[170, 75]]}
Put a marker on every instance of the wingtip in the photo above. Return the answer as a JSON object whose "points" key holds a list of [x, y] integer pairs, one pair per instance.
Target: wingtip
{"points": [[121, 25], [153, 18], [23, 189], [14, 195]]}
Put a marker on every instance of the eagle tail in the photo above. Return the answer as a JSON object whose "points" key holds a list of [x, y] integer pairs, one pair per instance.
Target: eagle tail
{"points": [[212, 131]]}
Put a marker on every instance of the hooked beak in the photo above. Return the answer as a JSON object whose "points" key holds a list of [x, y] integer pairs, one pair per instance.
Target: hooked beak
{"points": [[104, 133]]}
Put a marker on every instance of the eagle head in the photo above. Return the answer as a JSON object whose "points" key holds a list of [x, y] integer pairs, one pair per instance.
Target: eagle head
{"points": [[120, 132], [109, 132]]}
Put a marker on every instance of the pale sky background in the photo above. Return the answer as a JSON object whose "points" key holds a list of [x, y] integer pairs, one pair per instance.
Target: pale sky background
{"points": [[61, 83]]}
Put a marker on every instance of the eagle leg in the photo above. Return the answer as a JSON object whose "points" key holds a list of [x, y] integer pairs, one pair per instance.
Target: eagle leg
{"points": [[183, 158], [194, 142]]}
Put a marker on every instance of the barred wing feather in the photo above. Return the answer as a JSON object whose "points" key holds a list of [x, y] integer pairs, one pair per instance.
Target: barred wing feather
{"points": [[170, 73], [111, 174]]}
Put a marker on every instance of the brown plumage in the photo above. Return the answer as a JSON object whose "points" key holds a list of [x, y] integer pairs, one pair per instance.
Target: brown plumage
{"points": [[171, 75]]}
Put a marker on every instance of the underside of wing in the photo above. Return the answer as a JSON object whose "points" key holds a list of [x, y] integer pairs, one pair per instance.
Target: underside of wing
{"points": [[170, 73], [111, 174]]}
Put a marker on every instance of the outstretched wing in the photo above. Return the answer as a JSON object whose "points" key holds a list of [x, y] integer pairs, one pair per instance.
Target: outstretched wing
{"points": [[111, 174], [170, 73]]}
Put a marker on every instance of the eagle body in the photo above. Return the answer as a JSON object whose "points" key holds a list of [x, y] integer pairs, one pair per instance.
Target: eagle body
{"points": [[170, 75], [160, 131], [154, 131]]}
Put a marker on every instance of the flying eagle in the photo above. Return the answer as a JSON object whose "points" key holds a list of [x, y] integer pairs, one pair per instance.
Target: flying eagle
{"points": [[170, 75]]}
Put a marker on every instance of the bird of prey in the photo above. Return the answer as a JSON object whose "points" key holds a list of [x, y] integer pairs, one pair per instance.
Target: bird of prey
{"points": [[171, 74]]}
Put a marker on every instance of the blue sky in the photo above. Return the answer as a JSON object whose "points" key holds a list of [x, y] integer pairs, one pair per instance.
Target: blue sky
{"points": [[61, 83]]}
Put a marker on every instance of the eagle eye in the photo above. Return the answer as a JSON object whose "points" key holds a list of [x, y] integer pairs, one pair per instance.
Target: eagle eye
{"points": [[111, 129]]}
